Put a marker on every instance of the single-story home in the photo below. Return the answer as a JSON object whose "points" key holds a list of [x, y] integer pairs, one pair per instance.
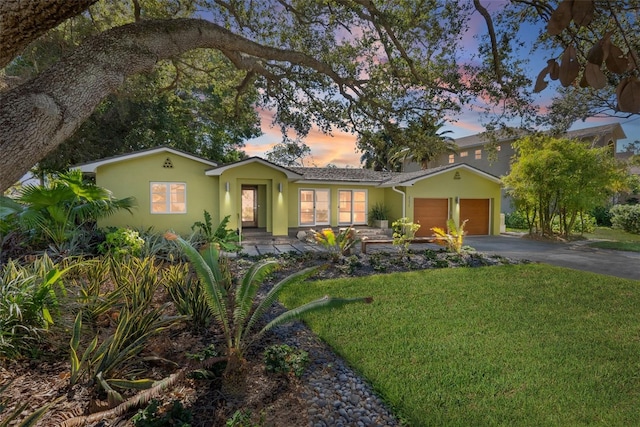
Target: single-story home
{"points": [[173, 189]]}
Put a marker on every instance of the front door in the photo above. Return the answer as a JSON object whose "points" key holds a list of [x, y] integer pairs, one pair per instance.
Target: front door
{"points": [[249, 206]]}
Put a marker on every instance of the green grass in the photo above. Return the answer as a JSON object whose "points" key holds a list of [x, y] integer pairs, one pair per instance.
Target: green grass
{"points": [[525, 345], [616, 239]]}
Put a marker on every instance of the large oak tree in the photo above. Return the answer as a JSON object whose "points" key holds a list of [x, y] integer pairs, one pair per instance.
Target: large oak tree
{"points": [[346, 63]]}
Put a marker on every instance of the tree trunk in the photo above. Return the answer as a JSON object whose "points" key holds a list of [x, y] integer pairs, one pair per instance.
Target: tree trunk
{"points": [[23, 21], [41, 113]]}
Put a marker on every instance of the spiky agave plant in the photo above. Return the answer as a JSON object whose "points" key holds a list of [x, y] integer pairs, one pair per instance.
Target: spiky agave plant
{"points": [[239, 320]]}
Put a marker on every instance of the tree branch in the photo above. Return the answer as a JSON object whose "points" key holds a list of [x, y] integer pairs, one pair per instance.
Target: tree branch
{"points": [[19, 28], [38, 115]]}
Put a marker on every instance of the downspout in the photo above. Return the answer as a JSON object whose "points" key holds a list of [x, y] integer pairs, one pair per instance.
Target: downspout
{"points": [[404, 204]]}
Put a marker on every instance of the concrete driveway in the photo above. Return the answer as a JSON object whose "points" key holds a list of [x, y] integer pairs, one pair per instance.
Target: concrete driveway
{"points": [[574, 255]]}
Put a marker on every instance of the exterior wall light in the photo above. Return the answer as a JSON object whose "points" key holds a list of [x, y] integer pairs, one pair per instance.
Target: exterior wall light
{"points": [[227, 186], [279, 187]]}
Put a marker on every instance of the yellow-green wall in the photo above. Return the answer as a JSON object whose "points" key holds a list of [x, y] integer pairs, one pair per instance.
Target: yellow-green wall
{"points": [[272, 211], [374, 195], [133, 177], [460, 183], [278, 211]]}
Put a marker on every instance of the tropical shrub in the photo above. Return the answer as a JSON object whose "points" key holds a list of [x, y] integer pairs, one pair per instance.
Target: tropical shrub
{"points": [[56, 212], [237, 310], [403, 232], [122, 242], [626, 217], [129, 307], [226, 238], [453, 238], [187, 294], [378, 211], [29, 300], [337, 244]]}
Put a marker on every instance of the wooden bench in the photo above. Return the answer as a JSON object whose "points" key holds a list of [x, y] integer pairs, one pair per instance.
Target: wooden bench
{"points": [[366, 242]]}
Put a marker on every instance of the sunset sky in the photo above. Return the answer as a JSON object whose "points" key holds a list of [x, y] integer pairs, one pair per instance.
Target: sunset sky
{"points": [[339, 148]]}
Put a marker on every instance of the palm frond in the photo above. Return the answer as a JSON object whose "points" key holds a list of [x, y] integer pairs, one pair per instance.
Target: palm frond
{"points": [[272, 295], [323, 303]]}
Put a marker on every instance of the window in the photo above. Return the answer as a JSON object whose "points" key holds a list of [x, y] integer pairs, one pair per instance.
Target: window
{"points": [[168, 197], [452, 158], [478, 154], [314, 207], [464, 154], [352, 207]]}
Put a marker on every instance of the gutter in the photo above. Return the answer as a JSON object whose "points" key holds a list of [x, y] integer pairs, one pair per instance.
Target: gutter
{"points": [[404, 199]]}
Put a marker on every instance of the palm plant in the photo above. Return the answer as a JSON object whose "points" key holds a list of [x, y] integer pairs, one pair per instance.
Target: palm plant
{"points": [[453, 237], [236, 309], [422, 142], [60, 209]]}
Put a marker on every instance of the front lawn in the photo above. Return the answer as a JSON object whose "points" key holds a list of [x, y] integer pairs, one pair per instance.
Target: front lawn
{"points": [[615, 239], [507, 345]]}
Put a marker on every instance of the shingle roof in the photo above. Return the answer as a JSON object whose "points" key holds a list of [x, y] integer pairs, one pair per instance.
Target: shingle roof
{"points": [[383, 179], [342, 174]]}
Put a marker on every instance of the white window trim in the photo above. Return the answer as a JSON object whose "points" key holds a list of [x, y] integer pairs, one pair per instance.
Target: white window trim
{"points": [[464, 153], [366, 204], [315, 222], [168, 203], [478, 154]]}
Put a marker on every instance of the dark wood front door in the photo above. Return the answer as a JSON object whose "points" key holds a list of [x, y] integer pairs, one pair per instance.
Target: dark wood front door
{"points": [[249, 206]]}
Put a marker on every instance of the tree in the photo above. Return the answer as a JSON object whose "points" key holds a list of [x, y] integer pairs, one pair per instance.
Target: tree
{"points": [[347, 64], [422, 141], [561, 178], [188, 103], [377, 150], [303, 57], [289, 153], [592, 46]]}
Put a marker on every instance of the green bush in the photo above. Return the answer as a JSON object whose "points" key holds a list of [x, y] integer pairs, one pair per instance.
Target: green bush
{"points": [[28, 304], [516, 220], [602, 215], [122, 242], [285, 359], [585, 223], [626, 217]]}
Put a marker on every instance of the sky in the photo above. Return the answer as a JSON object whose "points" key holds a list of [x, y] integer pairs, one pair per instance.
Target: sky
{"points": [[339, 148]]}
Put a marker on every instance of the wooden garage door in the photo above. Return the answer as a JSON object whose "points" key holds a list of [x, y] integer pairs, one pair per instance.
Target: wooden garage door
{"points": [[477, 212], [430, 213]]}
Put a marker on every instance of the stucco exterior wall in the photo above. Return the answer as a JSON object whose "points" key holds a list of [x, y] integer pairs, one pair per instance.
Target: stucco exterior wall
{"points": [[133, 177], [374, 195], [460, 183], [272, 206]]}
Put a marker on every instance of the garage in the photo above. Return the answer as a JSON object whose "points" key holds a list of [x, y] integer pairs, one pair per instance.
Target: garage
{"points": [[478, 213], [430, 213]]}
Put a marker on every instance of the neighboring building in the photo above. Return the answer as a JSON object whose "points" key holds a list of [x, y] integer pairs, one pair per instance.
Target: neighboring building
{"points": [[173, 188], [494, 156]]}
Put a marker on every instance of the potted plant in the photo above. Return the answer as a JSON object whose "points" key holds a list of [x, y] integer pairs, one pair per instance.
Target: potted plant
{"points": [[379, 216]]}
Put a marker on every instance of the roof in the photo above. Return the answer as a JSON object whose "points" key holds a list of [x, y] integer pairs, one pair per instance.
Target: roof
{"points": [[351, 175], [381, 179], [217, 171], [410, 178], [92, 166], [483, 138]]}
